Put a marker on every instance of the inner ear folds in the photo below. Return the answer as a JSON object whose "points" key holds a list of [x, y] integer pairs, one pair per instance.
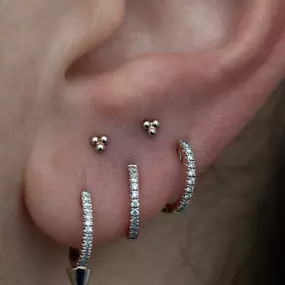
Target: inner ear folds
{"points": [[207, 94]]}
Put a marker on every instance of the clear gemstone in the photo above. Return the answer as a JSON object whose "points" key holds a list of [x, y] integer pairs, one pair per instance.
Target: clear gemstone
{"points": [[88, 216], [191, 172], [187, 197], [135, 203], [135, 221], [134, 227], [88, 222], [134, 186], [191, 181], [86, 194], [189, 189], [134, 179], [180, 208], [88, 238], [133, 236], [135, 194], [133, 171], [85, 199], [135, 212], [87, 204], [189, 152], [88, 229], [133, 231], [191, 164]]}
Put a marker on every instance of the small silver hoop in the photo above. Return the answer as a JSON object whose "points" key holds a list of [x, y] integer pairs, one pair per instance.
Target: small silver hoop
{"points": [[134, 223], [187, 157], [79, 273]]}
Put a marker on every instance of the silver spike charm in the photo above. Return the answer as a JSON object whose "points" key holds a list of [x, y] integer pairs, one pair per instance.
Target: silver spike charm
{"points": [[79, 274]]}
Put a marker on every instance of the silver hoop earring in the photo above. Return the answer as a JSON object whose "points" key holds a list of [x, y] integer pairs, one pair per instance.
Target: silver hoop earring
{"points": [[187, 157], [134, 223], [79, 274]]}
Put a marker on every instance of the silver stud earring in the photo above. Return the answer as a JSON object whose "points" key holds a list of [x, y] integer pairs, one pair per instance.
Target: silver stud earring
{"points": [[100, 143], [151, 127], [134, 223], [187, 157], [79, 274]]}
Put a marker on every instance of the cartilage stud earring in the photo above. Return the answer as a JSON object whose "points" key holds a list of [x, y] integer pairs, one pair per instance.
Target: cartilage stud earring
{"points": [[151, 127], [100, 143]]}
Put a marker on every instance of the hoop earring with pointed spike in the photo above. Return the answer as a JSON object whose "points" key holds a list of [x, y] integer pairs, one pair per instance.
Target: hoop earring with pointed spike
{"points": [[79, 274]]}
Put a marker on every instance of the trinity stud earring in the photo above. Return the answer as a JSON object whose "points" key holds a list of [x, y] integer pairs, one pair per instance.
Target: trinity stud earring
{"points": [[79, 274], [99, 143], [187, 157], [151, 127], [134, 223]]}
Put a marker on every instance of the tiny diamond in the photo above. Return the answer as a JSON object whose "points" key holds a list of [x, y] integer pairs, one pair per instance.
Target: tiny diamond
{"points": [[135, 186], [189, 189], [135, 194], [189, 152], [180, 208], [133, 236], [88, 222], [87, 204], [88, 211], [135, 221], [191, 181], [85, 199], [133, 171], [88, 229], [134, 230], [88, 239], [191, 172], [86, 194], [187, 197], [191, 164], [87, 218], [134, 227], [88, 215], [134, 179], [135, 203], [135, 212]]}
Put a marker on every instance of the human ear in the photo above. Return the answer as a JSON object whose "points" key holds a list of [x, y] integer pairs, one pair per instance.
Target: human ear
{"points": [[206, 97]]}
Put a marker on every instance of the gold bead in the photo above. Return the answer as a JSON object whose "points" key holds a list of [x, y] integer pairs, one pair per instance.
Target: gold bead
{"points": [[104, 139], [94, 140], [146, 125], [100, 147], [155, 124], [152, 131]]}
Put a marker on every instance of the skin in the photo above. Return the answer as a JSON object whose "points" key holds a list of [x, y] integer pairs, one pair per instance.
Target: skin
{"points": [[71, 69]]}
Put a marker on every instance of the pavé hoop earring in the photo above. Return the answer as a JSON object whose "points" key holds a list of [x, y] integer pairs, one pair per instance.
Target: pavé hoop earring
{"points": [[187, 157], [79, 274], [134, 223]]}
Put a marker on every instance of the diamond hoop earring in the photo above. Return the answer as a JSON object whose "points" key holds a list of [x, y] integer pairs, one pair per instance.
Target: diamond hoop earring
{"points": [[134, 223], [79, 274], [187, 157]]}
